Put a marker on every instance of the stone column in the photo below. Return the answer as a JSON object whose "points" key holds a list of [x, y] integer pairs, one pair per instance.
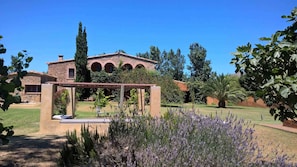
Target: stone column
{"points": [[71, 106], [155, 100], [47, 105]]}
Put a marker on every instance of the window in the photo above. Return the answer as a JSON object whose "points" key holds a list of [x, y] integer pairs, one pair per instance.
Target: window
{"points": [[32, 88], [109, 67], [127, 67], [71, 73], [96, 67]]}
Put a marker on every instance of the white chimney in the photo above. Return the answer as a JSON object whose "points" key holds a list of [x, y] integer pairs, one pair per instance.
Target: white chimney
{"points": [[60, 57]]}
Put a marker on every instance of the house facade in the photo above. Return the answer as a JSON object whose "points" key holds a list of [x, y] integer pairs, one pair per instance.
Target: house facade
{"points": [[32, 85], [64, 70]]}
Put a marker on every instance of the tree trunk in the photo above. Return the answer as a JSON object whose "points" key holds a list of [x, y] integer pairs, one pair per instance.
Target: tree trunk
{"points": [[222, 104]]}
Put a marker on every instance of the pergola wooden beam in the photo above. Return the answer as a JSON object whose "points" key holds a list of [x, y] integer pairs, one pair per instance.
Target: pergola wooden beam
{"points": [[101, 85]]}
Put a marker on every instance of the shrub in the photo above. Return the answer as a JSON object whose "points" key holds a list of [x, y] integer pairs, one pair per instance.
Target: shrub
{"points": [[61, 99], [79, 150]]}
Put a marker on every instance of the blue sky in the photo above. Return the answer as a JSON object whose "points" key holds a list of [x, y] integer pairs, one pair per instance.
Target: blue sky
{"points": [[47, 28]]}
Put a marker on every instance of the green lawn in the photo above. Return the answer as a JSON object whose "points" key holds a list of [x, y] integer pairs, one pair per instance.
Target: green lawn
{"points": [[254, 114], [25, 121]]}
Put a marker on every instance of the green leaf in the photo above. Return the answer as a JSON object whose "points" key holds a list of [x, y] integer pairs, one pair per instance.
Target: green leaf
{"points": [[285, 91], [234, 60], [293, 57], [268, 83], [277, 54], [237, 54], [275, 70], [254, 62], [265, 39], [245, 48], [284, 44], [294, 87], [275, 37], [276, 86]]}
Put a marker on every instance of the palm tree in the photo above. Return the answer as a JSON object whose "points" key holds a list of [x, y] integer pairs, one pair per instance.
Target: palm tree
{"points": [[224, 88]]}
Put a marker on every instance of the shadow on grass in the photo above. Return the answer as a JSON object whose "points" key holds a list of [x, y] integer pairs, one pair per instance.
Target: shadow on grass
{"points": [[171, 105], [227, 107], [31, 151]]}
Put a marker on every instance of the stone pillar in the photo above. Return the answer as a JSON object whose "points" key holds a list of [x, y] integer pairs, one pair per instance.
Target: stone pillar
{"points": [[141, 100], [155, 100], [71, 106], [47, 105]]}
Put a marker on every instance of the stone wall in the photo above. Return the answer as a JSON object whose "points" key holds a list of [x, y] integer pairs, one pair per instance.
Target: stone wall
{"points": [[60, 70], [249, 102], [252, 103], [30, 79]]}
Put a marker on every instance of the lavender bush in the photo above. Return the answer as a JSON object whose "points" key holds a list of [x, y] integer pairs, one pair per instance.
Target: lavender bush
{"points": [[188, 139], [182, 138]]}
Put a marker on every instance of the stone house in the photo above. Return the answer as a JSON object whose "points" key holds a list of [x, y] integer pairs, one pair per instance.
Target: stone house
{"points": [[32, 85], [64, 70]]}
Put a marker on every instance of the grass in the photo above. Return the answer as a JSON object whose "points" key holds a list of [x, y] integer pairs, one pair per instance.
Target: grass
{"points": [[26, 120], [254, 114], [273, 139], [86, 110]]}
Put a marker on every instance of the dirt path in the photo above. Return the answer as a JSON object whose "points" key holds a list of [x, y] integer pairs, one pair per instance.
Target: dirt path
{"points": [[33, 150], [281, 127]]}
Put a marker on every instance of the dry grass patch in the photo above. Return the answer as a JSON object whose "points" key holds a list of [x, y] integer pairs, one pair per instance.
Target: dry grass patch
{"points": [[276, 140]]}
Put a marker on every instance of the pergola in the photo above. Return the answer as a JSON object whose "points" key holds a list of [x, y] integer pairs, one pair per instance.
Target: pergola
{"points": [[47, 124]]}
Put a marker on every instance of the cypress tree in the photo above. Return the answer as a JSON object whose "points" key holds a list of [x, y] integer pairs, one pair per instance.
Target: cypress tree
{"points": [[81, 61]]}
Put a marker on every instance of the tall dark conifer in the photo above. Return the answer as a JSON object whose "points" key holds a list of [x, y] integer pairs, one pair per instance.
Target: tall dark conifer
{"points": [[81, 60], [178, 65]]}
